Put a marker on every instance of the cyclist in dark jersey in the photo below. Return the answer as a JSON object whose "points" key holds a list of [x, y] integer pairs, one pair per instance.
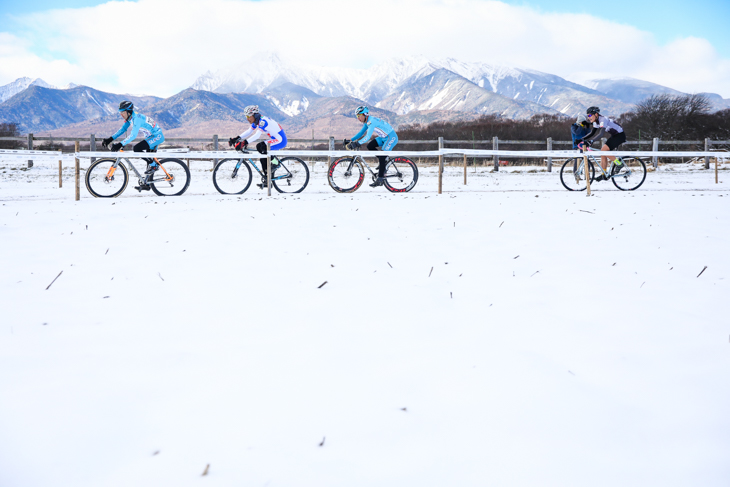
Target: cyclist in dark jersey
{"points": [[603, 126]]}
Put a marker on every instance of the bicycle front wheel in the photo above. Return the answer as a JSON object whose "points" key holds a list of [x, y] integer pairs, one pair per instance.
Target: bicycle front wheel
{"points": [[573, 174], [105, 181], [401, 175], [345, 175], [291, 175], [232, 176], [629, 175], [171, 179]]}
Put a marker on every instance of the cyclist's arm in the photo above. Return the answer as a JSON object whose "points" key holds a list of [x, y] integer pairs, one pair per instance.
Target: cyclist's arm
{"points": [[591, 135], [247, 133], [121, 130], [360, 133]]}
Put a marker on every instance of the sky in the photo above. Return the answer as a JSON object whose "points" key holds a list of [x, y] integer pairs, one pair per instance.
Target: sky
{"points": [[160, 47]]}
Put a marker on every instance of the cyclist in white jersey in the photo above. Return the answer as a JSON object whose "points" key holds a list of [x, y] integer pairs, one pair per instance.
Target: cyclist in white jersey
{"points": [[603, 126], [261, 128]]}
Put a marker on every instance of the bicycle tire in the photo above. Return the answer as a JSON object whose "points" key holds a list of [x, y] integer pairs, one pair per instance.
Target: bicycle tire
{"points": [[346, 174], [98, 184], [175, 169], [296, 175], [229, 180], [572, 174], [629, 175], [401, 171]]}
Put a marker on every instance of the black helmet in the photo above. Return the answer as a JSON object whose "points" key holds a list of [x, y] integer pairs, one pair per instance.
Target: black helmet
{"points": [[126, 106], [593, 111]]}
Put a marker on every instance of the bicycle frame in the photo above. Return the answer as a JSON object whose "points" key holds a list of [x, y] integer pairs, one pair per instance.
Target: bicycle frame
{"points": [[168, 177], [253, 163], [596, 159], [373, 174]]}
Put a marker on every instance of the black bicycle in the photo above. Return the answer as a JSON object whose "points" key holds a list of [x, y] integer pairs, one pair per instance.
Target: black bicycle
{"points": [[234, 176], [346, 174]]}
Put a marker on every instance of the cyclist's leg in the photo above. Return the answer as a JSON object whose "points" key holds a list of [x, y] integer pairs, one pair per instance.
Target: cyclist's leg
{"points": [[374, 145], [611, 144], [387, 143]]}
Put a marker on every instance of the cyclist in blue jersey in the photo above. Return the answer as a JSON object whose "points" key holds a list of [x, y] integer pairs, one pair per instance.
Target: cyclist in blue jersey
{"points": [[261, 128], [603, 126], [150, 130], [382, 134]]}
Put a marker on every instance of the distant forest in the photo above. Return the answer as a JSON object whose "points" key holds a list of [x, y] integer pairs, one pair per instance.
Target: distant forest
{"points": [[667, 117]]}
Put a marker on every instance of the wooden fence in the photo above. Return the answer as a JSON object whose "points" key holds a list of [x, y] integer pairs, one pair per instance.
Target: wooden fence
{"points": [[440, 143]]}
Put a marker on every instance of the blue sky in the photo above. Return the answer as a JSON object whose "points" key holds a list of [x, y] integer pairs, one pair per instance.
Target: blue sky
{"points": [[685, 46], [667, 20]]}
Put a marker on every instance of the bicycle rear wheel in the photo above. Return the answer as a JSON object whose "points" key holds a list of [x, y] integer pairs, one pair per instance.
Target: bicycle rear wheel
{"points": [[573, 174], [346, 174], [291, 175], [232, 176], [401, 175], [629, 175], [103, 181], [172, 179]]}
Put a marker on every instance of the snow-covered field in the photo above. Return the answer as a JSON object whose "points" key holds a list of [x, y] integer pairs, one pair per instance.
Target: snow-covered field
{"points": [[504, 333]]}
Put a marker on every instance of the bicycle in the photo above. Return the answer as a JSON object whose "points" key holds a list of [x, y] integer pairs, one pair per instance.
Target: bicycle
{"points": [[103, 178], [626, 173], [234, 176], [346, 174]]}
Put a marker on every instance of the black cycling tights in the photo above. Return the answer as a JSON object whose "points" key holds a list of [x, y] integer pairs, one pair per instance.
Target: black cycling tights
{"points": [[373, 145]]}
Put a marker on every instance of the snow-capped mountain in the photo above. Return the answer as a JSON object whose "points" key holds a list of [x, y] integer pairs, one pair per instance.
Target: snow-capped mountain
{"points": [[398, 78], [629, 90], [20, 84]]}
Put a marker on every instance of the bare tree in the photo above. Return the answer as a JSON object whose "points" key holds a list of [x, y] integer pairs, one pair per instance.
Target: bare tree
{"points": [[9, 130]]}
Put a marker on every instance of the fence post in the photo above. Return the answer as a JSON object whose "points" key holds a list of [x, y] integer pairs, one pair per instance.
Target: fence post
{"points": [[550, 159], [464, 169], [215, 147], [441, 164], [331, 147], [60, 171], [495, 146], [655, 148], [77, 173], [587, 172], [30, 147], [707, 149], [92, 146]]}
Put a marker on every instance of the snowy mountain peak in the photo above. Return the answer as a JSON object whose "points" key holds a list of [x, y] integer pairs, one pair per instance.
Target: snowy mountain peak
{"points": [[20, 84]]}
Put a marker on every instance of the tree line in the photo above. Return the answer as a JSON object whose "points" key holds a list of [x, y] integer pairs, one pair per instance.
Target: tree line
{"points": [[667, 117]]}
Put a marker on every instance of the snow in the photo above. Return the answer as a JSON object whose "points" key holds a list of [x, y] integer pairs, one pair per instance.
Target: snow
{"points": [[506, 332]]}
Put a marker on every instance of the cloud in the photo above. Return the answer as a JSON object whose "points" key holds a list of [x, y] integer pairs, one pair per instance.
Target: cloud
{"points": [[161, 46]]}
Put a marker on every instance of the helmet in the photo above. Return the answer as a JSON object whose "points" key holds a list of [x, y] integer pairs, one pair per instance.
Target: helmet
{"points": [[126, 106], [593, 111], [362, 110], [581, 119], [251, 110]]}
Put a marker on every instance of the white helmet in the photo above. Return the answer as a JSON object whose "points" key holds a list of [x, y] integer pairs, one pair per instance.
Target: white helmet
{"points": [[251, 110], [581, 119]]}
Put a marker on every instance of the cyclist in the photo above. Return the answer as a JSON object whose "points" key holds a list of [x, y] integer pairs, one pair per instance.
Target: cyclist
{"points": [[261, 127], [151, 132], [603, 125], [385, 137]]}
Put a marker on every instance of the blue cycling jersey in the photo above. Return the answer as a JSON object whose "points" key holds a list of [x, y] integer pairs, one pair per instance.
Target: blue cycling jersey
{"points": [[139, 123], [381, 128]]}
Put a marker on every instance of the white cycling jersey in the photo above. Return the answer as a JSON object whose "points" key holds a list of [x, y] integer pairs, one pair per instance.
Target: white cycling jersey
{"points": [[266, 128]]}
